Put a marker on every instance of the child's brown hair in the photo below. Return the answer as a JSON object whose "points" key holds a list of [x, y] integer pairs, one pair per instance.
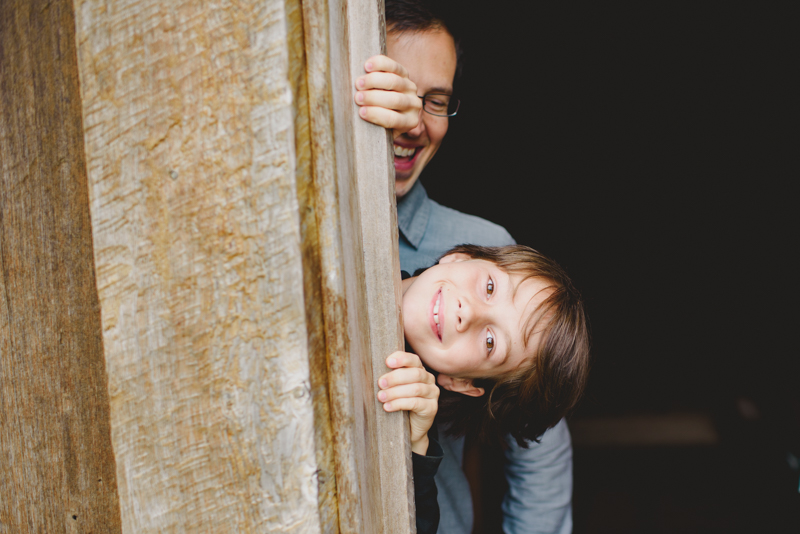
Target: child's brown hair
{"points": [[527, 401]]}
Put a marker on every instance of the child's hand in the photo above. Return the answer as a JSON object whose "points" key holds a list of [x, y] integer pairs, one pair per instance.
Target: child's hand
{"points": [[410, 387], [387, 97]]}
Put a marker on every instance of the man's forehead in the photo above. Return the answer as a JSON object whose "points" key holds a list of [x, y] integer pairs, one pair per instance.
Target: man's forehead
{"points": [[429, 56]]}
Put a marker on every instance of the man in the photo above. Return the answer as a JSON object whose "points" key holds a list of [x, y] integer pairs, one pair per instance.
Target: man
{"points": [[422, 62]]}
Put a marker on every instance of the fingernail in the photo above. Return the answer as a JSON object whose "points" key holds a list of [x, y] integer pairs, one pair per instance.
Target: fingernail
{"points": [[383, 383], [382, 396], [387, 406], [392, 362], [359, 97], [368, 66], [360, 82], [363, 112]]}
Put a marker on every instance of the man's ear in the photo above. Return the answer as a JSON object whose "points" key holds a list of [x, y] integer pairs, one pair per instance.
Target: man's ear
{"points": [[459, 385], [454, 257]]}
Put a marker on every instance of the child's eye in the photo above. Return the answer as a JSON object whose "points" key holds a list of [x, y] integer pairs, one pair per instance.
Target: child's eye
{"points": [[489, 341], [489, 287]]}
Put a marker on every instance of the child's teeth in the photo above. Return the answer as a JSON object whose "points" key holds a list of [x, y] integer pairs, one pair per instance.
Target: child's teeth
{"points": [[436, 310]]}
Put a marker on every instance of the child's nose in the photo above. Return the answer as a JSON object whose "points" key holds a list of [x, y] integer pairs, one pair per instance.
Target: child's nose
{"points": [[466, 313], [461, 316]]}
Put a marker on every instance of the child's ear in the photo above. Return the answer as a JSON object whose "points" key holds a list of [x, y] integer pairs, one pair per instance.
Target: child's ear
{"points": [[459, 385], [454, 257]]}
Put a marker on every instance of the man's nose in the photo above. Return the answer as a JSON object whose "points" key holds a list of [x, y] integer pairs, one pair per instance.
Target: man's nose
{"points": [[419, 129]]}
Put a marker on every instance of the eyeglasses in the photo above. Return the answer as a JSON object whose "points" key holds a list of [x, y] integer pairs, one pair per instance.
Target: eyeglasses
{"points": [[440, 105]]}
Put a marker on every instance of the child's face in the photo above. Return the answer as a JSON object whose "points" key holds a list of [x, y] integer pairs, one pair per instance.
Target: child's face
{"points": [[482, 312]]}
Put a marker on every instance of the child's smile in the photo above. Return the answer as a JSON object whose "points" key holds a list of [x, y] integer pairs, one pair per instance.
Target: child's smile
{"points": [[437, 314]]}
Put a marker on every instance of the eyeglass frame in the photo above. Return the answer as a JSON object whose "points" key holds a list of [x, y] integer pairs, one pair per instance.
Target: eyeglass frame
{"points": [[458, 104]]}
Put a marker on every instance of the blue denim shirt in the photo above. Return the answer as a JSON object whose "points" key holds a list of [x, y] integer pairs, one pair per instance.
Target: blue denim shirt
{"points": [[539, 498]]}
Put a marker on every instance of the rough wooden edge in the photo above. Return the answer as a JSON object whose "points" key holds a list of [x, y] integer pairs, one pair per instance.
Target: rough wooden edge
{"points": [[357, 476], [371, 264], [378, 211], [317, 201], [57, 468], [334, 301]]}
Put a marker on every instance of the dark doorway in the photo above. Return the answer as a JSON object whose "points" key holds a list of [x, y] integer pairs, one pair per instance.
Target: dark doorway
{"points": [[646, 148]]}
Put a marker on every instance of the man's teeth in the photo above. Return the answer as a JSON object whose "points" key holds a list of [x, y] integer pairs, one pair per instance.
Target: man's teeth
{"points": [[403, 152]]}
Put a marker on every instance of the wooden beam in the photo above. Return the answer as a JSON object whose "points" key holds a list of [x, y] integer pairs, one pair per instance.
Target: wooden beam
{"points": [[191, 147], [374, 165], [57, 471], [362, 281], [204, 140], [337, 479], [314, 202]]}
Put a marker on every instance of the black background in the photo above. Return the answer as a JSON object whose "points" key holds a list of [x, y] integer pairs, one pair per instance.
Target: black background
{"points": [[651, 149], [647, 149]]}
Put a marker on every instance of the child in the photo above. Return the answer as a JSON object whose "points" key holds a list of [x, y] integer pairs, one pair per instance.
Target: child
{"points": [[504, 330]]}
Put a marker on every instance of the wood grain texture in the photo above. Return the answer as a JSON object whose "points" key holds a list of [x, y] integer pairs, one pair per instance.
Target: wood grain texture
{"points": [[365, 181], [190, 143], [375, 177], [352, 499], [57, 472], [310, 196]]}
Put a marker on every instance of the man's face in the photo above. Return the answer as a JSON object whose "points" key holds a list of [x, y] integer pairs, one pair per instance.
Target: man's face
{"points": [[430, 58], [466, 318]]}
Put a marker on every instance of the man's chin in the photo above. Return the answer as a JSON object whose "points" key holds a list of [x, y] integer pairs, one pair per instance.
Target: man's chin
{"points": [[403, 184]]}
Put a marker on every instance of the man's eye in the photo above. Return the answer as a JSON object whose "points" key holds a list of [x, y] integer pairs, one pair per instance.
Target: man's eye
{"points": [[489, 341], [437, 103], [490, 287]]}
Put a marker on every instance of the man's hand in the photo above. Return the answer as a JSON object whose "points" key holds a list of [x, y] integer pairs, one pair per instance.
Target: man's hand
{"points": [[410, 387], [387, 97]]}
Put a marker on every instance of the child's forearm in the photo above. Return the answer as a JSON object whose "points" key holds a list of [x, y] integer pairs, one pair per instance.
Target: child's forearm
{"points": [[420, 446]]}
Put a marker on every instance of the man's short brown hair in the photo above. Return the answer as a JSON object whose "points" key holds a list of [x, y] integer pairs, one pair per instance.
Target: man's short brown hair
{"points": [[415, 16], [527, 401]]}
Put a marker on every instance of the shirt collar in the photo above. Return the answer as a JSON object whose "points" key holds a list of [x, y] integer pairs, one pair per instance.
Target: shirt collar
{"points": [[413, 211]]}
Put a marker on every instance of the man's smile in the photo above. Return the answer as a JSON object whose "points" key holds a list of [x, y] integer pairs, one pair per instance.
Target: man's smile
{"points": [[402, 152], [405, 157]]}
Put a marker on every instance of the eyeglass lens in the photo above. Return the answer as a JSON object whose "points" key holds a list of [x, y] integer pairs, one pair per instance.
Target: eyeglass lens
{"points": [[440, 104]]}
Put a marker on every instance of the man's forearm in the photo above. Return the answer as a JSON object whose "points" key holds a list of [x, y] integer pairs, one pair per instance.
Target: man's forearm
{"points": [[539, 499]]}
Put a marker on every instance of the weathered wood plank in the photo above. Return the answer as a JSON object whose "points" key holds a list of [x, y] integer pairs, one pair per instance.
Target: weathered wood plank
{"points": [[190, 142], [57, 471], [374, 159], [351, 499], [310, 195], [365, 177]]}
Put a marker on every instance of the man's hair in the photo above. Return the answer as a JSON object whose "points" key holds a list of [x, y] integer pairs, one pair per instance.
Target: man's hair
{"points": [[527, 401], [418, 16]]}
